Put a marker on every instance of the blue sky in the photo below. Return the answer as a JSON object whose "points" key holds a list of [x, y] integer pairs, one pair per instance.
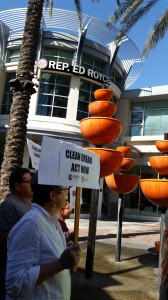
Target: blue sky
{"points": [[155, 67]]}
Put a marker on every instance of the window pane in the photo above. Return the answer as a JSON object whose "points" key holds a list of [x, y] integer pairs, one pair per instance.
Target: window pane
{"points": [[87, 60], [85, 85], [98, 65], [47, 88], [59, 112], [156, 104], [60, 101], [136, 118], [44, 110], [156, 122], [51, 51], [137, 105], [7, 97], [63, 79], [135, 130], [45, 99], [81, 115], [84, 96], [48, 77], [14, 55], [62, 90], [83, 106], [66, 54]]}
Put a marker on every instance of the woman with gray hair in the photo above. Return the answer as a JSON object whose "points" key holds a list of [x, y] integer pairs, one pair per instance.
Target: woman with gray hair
{"points": [[38, 261]]}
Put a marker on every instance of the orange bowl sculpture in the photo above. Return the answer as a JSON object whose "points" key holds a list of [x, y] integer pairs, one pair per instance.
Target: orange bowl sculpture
{"points": [[127, 164], [103, 94], [125, 149], [100, 130], [155, 190], [110, 160], [102, 108], [159, 164], [162, 146], [122, 183]]}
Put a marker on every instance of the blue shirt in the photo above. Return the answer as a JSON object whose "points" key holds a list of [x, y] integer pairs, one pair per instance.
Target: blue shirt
{"points": [[36, 239]]}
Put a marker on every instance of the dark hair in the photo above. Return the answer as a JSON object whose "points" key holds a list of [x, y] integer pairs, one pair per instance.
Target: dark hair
{"points": [[41, 192], [16, 176]]}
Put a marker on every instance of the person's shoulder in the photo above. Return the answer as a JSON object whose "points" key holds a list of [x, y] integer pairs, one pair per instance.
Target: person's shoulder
{"points": [[6, 204]]}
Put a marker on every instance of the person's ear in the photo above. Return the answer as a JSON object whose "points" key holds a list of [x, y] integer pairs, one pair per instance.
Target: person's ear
{"points": [[52, 195], [17, 187]]}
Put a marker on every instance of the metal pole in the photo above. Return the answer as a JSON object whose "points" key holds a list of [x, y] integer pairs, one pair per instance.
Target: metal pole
{"points": [[163, 210], [92, 234], [119, 228]]}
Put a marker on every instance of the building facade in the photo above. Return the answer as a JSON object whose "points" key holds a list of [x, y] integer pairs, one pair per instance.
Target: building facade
{"points": [[70, 65]]}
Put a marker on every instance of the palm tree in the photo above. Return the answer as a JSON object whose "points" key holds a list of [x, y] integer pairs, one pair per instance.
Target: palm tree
{"points": [[23, 88], [129, 12]]}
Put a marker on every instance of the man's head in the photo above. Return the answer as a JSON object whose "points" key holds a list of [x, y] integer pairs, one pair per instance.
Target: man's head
{"points": [[65, 212], [19, 183], [48, 194]]}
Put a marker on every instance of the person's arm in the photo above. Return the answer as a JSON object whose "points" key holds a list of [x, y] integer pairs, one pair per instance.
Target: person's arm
{"points": [[23, 269], [68, 259]]}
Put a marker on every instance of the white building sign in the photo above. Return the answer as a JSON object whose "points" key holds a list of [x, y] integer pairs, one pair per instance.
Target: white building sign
{"points": [[74, 69]]}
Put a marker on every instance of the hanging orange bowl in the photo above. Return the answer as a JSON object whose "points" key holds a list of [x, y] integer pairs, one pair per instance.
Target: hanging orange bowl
{"points": [[102, 108], [159, 164], [122, 183], [103, 94], [127, 164], [162, 146], [110, 160], [125, 149], [155, 190], [100, 130]]}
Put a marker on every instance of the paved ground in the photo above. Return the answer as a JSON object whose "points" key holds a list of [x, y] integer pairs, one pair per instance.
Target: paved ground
{"points": [[139, 235], [135, 277]]}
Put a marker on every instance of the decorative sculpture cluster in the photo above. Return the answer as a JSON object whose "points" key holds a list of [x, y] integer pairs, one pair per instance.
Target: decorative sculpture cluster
{"points": [[156, 190], [101, 129], [123, 183]]}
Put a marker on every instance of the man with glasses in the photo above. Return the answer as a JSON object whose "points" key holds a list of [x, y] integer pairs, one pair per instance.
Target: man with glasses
{"points": [[15, 205]]}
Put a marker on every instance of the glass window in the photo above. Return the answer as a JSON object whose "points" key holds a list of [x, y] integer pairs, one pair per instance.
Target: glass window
{"points": [[116, 79], [14, 55], [137, 106], [7, 97], [136, 131], [91, 63], [58, 54], [53, 96], [152, 119], [136, 118], [86, 95]]}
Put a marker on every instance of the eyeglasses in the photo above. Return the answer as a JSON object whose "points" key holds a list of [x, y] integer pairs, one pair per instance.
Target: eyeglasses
{"points": [[25, 181], [66, 208], [65, 189]]}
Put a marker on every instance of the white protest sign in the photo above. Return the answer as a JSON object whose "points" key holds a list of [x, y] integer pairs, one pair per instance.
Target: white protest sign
{"points": [[64, 163], [35, 153], [73, 197]]}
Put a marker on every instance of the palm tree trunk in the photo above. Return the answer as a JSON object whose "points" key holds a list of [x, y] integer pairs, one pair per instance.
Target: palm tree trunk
{"points": [[16, 134]]}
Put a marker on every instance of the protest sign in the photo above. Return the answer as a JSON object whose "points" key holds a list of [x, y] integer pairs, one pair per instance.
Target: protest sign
{"points": [[64, 163], [73, 197], [34, 152]]}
